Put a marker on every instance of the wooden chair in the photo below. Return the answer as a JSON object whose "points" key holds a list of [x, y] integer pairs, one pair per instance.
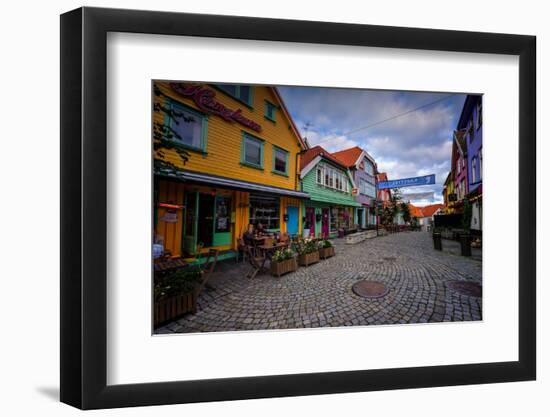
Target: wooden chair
{"points": [[207, 269], [197, 256], [256, 261], [241, 246]]}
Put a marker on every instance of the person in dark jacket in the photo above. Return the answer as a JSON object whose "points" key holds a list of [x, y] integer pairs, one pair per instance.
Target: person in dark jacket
{"points": [[248, 236]]}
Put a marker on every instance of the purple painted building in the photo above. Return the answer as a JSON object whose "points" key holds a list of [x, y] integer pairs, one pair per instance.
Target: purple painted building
{"points": [[470, 123], [363, 170]]}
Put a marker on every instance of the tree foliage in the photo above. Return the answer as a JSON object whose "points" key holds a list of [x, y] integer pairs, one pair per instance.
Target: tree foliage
{"points": [[164, 135], [405, 212], [392, 209]]}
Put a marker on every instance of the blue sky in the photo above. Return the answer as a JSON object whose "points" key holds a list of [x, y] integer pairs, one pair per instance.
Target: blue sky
{"points": [[417, 143]]}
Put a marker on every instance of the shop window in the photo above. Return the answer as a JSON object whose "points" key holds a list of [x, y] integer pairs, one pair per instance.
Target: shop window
{"points": [[252, 152], [270, 111], [333, 219], [265, 210], [223, 215], [280, 161], [189, 127], [241, 92]]}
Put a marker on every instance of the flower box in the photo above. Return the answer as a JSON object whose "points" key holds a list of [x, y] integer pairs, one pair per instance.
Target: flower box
{"points": [[283, 267], [307, 259], [171, 308], [325, 253]]}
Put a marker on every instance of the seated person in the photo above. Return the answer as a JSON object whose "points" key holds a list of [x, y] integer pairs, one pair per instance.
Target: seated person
{"points": [[260, 229], [248, 236]]}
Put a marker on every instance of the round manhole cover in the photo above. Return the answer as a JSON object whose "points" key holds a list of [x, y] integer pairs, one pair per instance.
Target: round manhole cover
{"points": [[472, 289], [370, 289]]}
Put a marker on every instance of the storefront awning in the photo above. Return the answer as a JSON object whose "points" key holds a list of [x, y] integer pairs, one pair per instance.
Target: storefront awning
{"points": [[335, 203], [223, 182]]}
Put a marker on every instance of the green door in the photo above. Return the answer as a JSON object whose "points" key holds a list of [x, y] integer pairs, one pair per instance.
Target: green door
{"points": [[189, 240], [222, 221]]}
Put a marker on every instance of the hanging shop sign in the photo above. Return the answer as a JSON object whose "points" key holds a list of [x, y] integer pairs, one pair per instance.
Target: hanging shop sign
{"points": [[205, 100]]}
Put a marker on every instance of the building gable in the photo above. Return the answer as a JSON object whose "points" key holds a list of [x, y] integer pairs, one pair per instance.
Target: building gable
{"points": [[226, 121]]}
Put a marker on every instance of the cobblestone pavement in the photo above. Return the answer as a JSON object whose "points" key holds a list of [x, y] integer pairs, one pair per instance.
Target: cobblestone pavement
{"points": [[320, 295]]}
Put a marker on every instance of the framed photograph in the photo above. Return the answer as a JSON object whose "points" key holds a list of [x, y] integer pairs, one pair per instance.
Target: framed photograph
{"points": [[256, 208]]}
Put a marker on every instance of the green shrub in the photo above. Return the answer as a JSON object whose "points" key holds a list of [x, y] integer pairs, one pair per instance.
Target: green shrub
{"points": [[326, 243], [180, 281]]}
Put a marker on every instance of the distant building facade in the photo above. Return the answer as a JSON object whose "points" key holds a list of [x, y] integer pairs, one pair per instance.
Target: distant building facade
{"points": [[330, 186], [470, 122], [459, 167], [363, 170]]}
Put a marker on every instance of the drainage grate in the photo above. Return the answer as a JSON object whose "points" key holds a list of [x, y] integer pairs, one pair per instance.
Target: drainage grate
{"points": [[472, 289], [389, 258], [370, 289]]}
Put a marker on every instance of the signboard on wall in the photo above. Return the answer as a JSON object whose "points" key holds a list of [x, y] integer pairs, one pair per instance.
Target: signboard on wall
{"points": [[171, 216], [222, 223]]}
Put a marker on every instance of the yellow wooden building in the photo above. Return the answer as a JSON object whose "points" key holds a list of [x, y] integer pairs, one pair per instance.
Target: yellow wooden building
{"points": [[225, 155], [449, 195]]}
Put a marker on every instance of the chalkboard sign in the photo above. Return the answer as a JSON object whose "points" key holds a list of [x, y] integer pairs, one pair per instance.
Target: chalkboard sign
{"points": [[223, 209]]}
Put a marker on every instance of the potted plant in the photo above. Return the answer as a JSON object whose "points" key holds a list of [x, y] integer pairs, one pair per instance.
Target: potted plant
{"points": [[176, 294], [326, 249], [308, 252], [283, 261]]}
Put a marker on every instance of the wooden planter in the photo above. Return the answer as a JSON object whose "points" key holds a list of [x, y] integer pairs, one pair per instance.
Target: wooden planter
{"points": [[308, 258], [325, 253], [283, 267], [171, 308]]}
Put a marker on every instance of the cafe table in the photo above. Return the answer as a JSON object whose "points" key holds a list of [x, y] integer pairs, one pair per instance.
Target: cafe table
{"points": [[269, 250]]}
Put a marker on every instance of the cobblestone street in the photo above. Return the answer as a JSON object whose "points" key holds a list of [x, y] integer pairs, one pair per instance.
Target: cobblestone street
{"points": [[321, 295]]}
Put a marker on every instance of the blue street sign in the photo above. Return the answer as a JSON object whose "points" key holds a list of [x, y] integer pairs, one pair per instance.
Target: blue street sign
{"points": [[407, 182]]}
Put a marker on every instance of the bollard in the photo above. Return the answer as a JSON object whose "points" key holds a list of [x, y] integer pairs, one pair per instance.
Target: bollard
{"points": [[465, 246], [437, 240]]}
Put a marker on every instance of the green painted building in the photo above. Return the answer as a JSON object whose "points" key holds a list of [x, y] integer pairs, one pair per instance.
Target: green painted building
{"points": [[328, 182]]}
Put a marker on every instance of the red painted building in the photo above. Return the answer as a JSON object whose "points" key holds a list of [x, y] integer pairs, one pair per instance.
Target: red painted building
{"points": [[459, 168]]}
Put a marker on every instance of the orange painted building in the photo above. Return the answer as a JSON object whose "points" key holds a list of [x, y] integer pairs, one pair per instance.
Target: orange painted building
{"points": [[224, 156]]}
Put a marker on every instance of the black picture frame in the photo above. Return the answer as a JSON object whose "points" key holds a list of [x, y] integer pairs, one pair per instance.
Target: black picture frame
{"points": [[84, 207]]}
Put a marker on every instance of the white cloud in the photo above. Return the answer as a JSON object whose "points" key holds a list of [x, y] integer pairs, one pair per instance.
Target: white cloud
{"points": [[412, 144]]}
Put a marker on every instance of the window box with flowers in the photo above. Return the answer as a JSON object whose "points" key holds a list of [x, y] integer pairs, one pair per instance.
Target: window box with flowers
{"points": [[283, 261], [326, 249], [308, 252]]}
